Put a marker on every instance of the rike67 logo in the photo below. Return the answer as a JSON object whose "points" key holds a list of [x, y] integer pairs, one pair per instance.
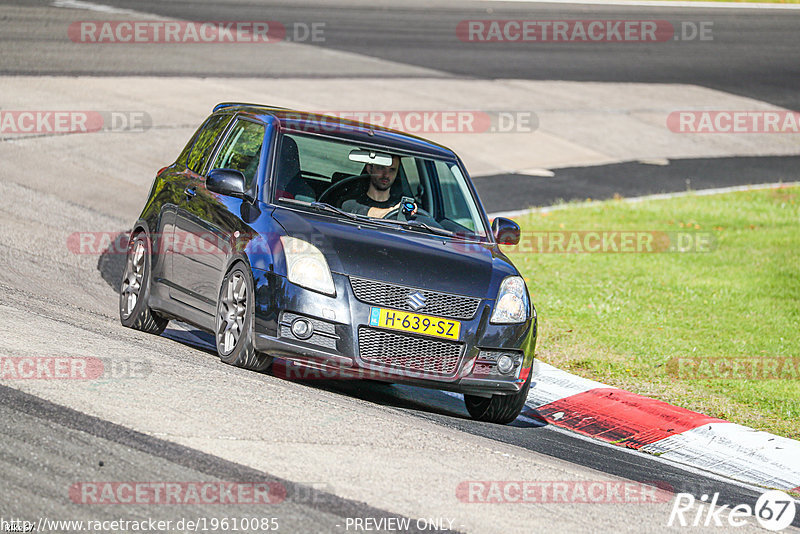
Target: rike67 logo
{"points": [[774, 510]]}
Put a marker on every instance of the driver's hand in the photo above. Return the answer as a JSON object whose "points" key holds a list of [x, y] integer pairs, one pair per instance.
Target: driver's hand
{"points": [[381, 212]]}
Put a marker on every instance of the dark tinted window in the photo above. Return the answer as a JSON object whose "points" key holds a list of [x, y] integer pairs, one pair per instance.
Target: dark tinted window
{"points": [[242, 149], [205, 140]]}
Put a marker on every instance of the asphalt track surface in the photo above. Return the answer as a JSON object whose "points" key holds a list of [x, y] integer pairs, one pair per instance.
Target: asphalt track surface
{"points": [[630, 179], [76, 445], [753, 53], [49, 445]]}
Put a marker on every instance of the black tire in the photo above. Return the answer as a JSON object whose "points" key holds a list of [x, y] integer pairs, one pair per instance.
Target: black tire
{"points": [[234, 323], [500, 409], [134, 292]]}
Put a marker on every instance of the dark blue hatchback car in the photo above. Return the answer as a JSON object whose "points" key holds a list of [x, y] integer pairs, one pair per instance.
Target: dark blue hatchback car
{"points": [[338, 246]]}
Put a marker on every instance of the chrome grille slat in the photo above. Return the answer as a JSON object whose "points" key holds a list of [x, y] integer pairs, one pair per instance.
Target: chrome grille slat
{"points": [[409, 353], [395, 296]]}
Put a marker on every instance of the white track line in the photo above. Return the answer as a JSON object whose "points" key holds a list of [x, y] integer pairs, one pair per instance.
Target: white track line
{"points": [[91, 6]]}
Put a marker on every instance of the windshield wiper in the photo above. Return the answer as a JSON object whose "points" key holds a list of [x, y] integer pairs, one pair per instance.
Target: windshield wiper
{"points": [[324, 206], [416, 224], [431, 229], [321, 206], [472, 238]]}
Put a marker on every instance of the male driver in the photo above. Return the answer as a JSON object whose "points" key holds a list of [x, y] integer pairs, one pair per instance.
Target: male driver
{"points": [[377, 201]]}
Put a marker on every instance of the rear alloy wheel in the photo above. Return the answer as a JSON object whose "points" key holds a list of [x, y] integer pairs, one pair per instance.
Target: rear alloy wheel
{"points": [[500, 409], [235, 323], [134, 291]]}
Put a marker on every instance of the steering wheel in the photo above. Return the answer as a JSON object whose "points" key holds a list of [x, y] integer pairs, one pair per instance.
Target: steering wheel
{"points": [[341, 183]]}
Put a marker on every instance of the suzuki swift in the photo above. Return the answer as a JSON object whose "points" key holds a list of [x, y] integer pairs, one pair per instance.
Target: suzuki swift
{"points": [[338, 246]]}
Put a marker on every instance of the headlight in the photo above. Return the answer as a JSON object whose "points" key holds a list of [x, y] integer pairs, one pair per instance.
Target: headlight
{"points": [[512, 304], [306, 266]]}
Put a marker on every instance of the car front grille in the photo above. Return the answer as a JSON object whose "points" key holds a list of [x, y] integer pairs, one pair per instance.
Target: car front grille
{"points": [[397, 297], [409, 353]]}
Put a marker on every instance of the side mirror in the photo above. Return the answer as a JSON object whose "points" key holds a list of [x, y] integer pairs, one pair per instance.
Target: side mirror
{"points": [[229, 182], [506, 231]]}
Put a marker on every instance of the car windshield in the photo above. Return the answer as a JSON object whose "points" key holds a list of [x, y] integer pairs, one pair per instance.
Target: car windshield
{"points": [[370, 182]]}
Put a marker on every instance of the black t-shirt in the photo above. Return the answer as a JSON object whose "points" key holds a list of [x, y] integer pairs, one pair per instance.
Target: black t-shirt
{"points": [[364, 202]]}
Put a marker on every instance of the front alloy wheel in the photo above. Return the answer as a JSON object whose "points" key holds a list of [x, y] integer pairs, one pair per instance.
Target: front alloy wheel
{"points": [[235, 323]]}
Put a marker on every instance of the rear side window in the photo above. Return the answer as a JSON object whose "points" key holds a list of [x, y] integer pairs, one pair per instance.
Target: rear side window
{"points": [[205, 140], [242, 149]]}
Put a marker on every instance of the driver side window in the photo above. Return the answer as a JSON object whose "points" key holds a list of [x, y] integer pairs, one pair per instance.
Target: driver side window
{"points": [[242, 150]]}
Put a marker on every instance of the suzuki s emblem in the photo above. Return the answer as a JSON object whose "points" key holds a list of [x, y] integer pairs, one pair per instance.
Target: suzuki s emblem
{"points": [[416, 300]]}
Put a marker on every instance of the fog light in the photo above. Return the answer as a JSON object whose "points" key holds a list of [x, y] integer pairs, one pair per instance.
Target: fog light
{"points": [[505, 364], [302, 328]]}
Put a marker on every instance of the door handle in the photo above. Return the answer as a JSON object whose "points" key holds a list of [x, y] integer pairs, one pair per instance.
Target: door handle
{"points": [[190, 193]]}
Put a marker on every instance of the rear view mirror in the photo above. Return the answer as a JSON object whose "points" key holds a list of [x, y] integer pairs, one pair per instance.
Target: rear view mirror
{"points": [[506, 231], [371, 157]]}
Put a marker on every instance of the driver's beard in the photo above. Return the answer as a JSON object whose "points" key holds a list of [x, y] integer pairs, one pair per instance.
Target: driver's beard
{"points": [[376, 183]]}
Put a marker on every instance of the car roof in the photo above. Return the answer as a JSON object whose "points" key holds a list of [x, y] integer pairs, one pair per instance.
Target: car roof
{"points": [[361, 132]]}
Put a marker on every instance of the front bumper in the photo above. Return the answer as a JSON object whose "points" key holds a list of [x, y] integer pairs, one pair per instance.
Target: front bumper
{"points": [[341, 333]]}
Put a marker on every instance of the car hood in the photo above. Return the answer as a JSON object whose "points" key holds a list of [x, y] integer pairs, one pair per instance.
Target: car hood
{"points": [[407, 257]]}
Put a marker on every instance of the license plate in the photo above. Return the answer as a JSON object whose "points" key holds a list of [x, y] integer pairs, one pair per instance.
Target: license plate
{"points": [[414, 322]]}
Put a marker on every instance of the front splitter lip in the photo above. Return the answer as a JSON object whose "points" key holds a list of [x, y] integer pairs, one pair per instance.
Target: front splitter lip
{"points": [[291, 351], [321, 365]]}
